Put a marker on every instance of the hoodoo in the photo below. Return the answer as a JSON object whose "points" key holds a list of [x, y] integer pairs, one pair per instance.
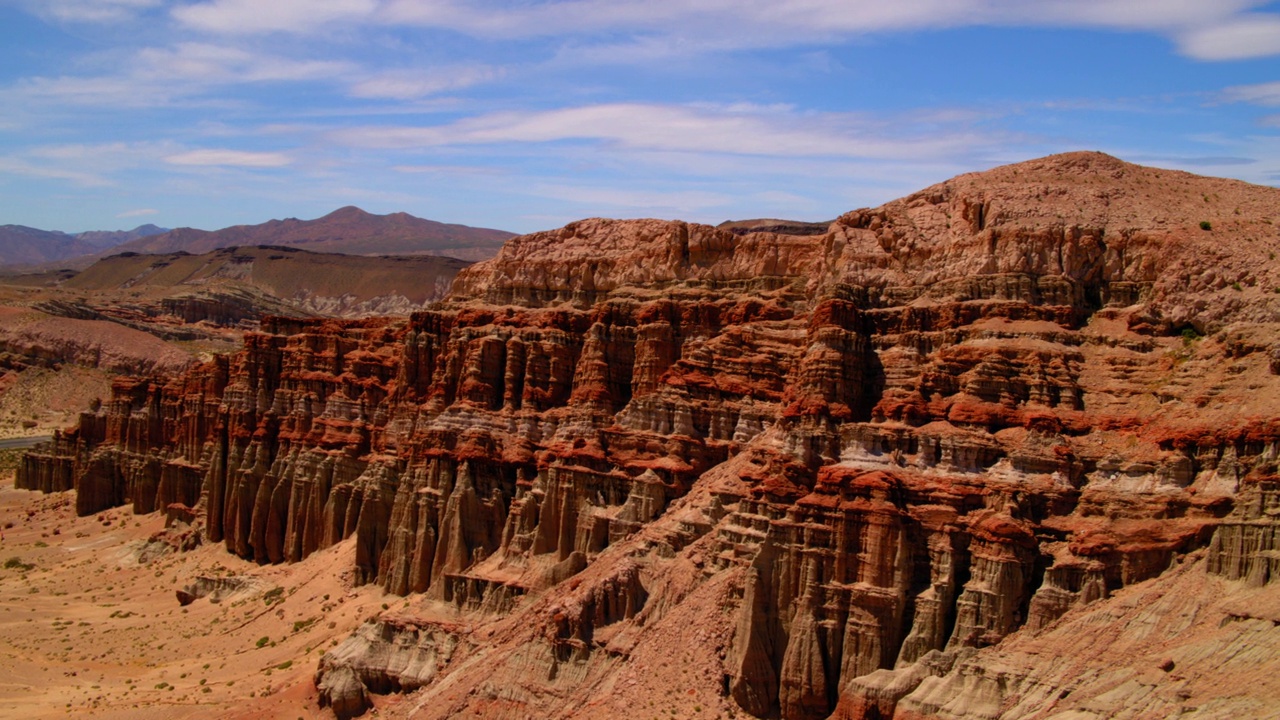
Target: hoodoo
{"points": [[1004, 448]]}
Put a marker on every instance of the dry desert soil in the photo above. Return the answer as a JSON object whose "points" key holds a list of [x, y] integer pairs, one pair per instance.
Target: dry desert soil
{"points": [[90, 625]]}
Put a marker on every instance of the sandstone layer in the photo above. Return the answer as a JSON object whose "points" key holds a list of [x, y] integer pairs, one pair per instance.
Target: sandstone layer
{"points": [[875, 472]]}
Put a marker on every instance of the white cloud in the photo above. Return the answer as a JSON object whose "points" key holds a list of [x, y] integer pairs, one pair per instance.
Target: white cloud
{"points": [[119, 92], [1125, 14], [160, 76], [1211, 30], [257, 16], [141, 212], [1260, 94], [732, 130], [92, 11], [207, 63], [230, 158], [95, 163], [446, 170], [1244, 37], [638, 29], [17, 166], [602, 199], [412, 84]]}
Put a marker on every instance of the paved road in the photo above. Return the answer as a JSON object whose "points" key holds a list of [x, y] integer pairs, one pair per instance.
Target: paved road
{"points": [[23, 442]]}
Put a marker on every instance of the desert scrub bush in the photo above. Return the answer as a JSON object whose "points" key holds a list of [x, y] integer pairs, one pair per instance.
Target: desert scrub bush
{"points": [[1206, 225], [15, 563]]}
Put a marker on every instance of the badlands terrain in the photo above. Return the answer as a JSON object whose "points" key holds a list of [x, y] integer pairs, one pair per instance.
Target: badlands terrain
{"points": [[151, 300], [1004, 448]]}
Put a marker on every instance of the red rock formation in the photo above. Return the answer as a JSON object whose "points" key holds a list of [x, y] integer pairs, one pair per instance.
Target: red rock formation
{"points": [[857, 462]]}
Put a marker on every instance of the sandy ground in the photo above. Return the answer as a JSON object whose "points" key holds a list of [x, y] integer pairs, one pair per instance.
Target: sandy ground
{"points": [[37, 401], [91, 627]]}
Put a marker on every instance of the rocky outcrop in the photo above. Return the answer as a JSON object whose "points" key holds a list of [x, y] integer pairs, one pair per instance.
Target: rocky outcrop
{"points": [[215, 588], [860, 462], [381, 657], [33, 338]]}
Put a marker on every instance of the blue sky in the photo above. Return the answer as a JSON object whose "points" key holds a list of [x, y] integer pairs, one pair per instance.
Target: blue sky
{"points": [[526, 115]]}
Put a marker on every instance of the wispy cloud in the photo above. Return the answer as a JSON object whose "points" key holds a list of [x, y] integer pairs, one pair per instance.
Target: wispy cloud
{"points": [[1238, 38], [255, 16], [731, 129], [219, 64], [417, 83], [141, 212], [446, 170], [24, 168], [1261, 94], [230, 158], [91, 11], [160, 76], [1219, 30], [85, 164], [605, 199]]}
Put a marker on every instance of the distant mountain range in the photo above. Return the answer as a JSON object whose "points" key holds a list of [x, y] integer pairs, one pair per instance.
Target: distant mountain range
{"points": [[21, 245], [349, 231]]}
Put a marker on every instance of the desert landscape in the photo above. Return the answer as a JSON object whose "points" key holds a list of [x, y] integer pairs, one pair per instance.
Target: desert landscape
{"points": [[1005, 447], [66, 336]]}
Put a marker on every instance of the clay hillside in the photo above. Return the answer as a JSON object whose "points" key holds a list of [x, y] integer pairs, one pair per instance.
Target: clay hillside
{"points": [[1004, 448], [136, 314], [349, 230], [284, 280]]}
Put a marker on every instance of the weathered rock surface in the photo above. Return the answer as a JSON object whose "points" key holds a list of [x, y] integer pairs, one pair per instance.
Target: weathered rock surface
{"points": [[30, 338], [381, 657], [857, 473], [215, 588]]}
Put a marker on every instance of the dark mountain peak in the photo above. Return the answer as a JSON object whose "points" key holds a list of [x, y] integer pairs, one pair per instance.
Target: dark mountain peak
{"points": [[348, 212]]}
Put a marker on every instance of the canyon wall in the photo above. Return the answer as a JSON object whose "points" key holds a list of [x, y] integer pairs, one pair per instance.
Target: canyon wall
{"points": [[856, 462]]}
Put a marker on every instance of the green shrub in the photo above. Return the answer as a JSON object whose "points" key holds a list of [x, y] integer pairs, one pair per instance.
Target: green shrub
{"points": [[1206, 225]]}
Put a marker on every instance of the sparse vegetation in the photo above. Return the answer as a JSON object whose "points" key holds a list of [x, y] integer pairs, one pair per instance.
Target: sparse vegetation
{"points": [[1206, 225], [15, 563]]}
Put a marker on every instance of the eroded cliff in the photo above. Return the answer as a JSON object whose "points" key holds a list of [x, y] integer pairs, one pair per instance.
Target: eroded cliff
{"points": [[792, 475]]}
